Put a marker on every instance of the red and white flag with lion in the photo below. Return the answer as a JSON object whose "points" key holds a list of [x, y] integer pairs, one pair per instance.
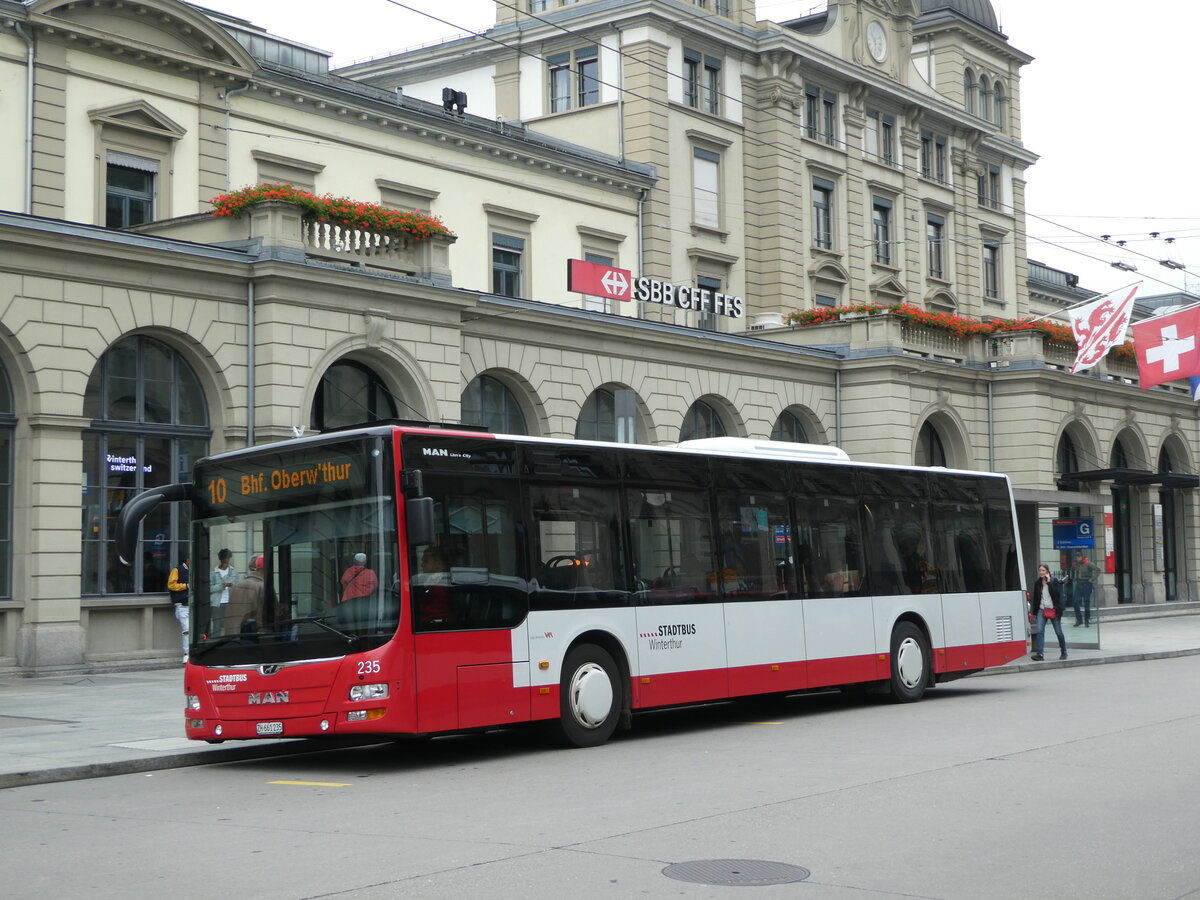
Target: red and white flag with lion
{"points": [[1099, 326]]}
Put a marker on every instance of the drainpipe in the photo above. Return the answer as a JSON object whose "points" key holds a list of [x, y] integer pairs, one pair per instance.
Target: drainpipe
{"points": [[837, 407], [250, 361], [641, 262], [620, 98], [225, 95], [28, 39], [991, 429]]}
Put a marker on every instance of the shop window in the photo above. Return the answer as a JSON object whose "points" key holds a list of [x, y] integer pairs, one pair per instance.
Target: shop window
{"points": [[149, 425]]}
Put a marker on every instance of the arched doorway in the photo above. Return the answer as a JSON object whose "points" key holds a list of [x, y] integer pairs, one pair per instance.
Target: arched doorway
{"points": [[789, 427], [702, 421], [149, 425], [351, 393], [610, 413], [931, 449], [488, 402]]}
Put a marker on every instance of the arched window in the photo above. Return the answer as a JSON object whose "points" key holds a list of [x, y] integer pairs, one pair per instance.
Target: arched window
{"points": [[701, 421], [7, 422], [930, 449], [1165, 465], [788, 427], [487, 402], [149, 425], [998, 104], [969, 89], [1119, 458], [350, 394], [985, 98], [1068, 458], [608, 415]]}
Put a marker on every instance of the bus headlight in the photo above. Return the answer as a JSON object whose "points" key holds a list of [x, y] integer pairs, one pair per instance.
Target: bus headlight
{"points": [[369, 692], [193, 701]]}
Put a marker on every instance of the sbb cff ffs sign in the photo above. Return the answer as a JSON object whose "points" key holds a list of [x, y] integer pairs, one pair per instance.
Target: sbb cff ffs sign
{"points": [[599, 280], [619, 284]]}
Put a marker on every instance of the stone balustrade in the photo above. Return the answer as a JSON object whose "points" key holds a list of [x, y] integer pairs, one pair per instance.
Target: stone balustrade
{"points": [[277, 228]]}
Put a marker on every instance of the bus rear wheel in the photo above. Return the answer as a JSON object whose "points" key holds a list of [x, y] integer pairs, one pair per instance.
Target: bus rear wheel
{"points": [[911, 663], [589, 698]]}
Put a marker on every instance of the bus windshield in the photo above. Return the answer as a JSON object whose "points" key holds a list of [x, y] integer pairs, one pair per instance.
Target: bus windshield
{"points": [[295, 554]]}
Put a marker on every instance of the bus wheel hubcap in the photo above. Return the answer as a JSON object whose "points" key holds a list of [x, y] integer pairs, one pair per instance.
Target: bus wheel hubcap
{"points": [[910, 665], [591, 695]]}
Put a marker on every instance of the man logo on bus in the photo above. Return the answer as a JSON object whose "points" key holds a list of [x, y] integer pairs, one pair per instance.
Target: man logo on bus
{"points": [[266, 697]]}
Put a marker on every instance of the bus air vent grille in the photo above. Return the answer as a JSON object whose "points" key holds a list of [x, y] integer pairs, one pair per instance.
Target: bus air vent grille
{"points": [[1004, 629]]}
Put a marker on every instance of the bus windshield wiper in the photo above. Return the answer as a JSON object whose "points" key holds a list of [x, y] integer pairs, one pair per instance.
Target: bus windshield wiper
{"points": [[201, 649], [351, 639]]}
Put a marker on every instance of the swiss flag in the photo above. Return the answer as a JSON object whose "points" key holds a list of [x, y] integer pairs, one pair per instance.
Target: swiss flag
{"points": [[1168, 347]]}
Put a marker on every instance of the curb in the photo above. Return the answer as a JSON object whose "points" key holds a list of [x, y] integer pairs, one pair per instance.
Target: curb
{"points": [[198, 757], [1032, 666]]}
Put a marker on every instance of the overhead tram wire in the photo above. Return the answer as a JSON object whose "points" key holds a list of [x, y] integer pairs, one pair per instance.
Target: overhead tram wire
{"points": [[847, 147], [784, 150], [758, 142]]}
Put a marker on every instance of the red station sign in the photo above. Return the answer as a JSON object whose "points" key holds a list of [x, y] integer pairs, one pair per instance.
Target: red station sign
{"points": [[599, 280]]}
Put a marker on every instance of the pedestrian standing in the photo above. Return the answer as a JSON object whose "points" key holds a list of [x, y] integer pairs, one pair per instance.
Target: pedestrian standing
{"points": [[177, 585], [222, 577], [1046, 603], [1085, 585]]}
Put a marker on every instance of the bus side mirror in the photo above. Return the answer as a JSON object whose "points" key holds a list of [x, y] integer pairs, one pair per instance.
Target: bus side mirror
{"points": [[419, 515]]}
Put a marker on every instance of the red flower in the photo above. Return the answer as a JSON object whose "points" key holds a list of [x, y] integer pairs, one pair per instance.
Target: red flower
{"points": [[354, 214]]}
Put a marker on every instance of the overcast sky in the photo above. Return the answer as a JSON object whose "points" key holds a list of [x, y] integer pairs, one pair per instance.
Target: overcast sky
{"points": [[1105, 104]]}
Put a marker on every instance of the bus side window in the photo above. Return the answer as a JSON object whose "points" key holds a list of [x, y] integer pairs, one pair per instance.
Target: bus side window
{"points": [[576, 545], [672, 549], [757, 557], [828, 557], [476, 534]]}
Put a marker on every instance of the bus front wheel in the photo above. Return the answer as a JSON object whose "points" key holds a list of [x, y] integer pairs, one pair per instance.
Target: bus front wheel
{"points": [[589, 699], [911, 663]]}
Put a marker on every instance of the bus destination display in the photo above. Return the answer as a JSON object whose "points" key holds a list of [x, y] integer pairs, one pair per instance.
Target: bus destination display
{"points": [[283, 481]]}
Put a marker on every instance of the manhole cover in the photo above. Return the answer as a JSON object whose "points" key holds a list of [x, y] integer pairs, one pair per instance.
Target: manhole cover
{"points": [[736, 872]]}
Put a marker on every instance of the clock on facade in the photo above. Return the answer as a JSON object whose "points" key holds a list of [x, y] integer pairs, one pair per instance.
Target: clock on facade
{"points": [[876, 41]]}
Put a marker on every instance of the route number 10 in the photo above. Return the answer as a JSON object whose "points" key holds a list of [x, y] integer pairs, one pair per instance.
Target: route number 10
{"points": [[217, 490]]}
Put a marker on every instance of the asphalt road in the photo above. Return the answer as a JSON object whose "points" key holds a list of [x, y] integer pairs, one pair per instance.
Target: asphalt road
{"points": [[1080, 782]]}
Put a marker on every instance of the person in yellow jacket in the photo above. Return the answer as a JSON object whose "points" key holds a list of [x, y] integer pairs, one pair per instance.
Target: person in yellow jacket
{"points": [[177, 586]]}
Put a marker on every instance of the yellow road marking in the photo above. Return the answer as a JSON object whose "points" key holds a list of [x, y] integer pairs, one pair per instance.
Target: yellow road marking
{"points": [[314, 783]]}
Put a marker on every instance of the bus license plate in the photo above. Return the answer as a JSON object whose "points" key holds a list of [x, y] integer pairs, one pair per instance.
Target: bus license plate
{"points": [[268, 728]]}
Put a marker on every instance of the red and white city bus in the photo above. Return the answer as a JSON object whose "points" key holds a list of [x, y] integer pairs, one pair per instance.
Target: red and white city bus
{"points": [[418, 579]]}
